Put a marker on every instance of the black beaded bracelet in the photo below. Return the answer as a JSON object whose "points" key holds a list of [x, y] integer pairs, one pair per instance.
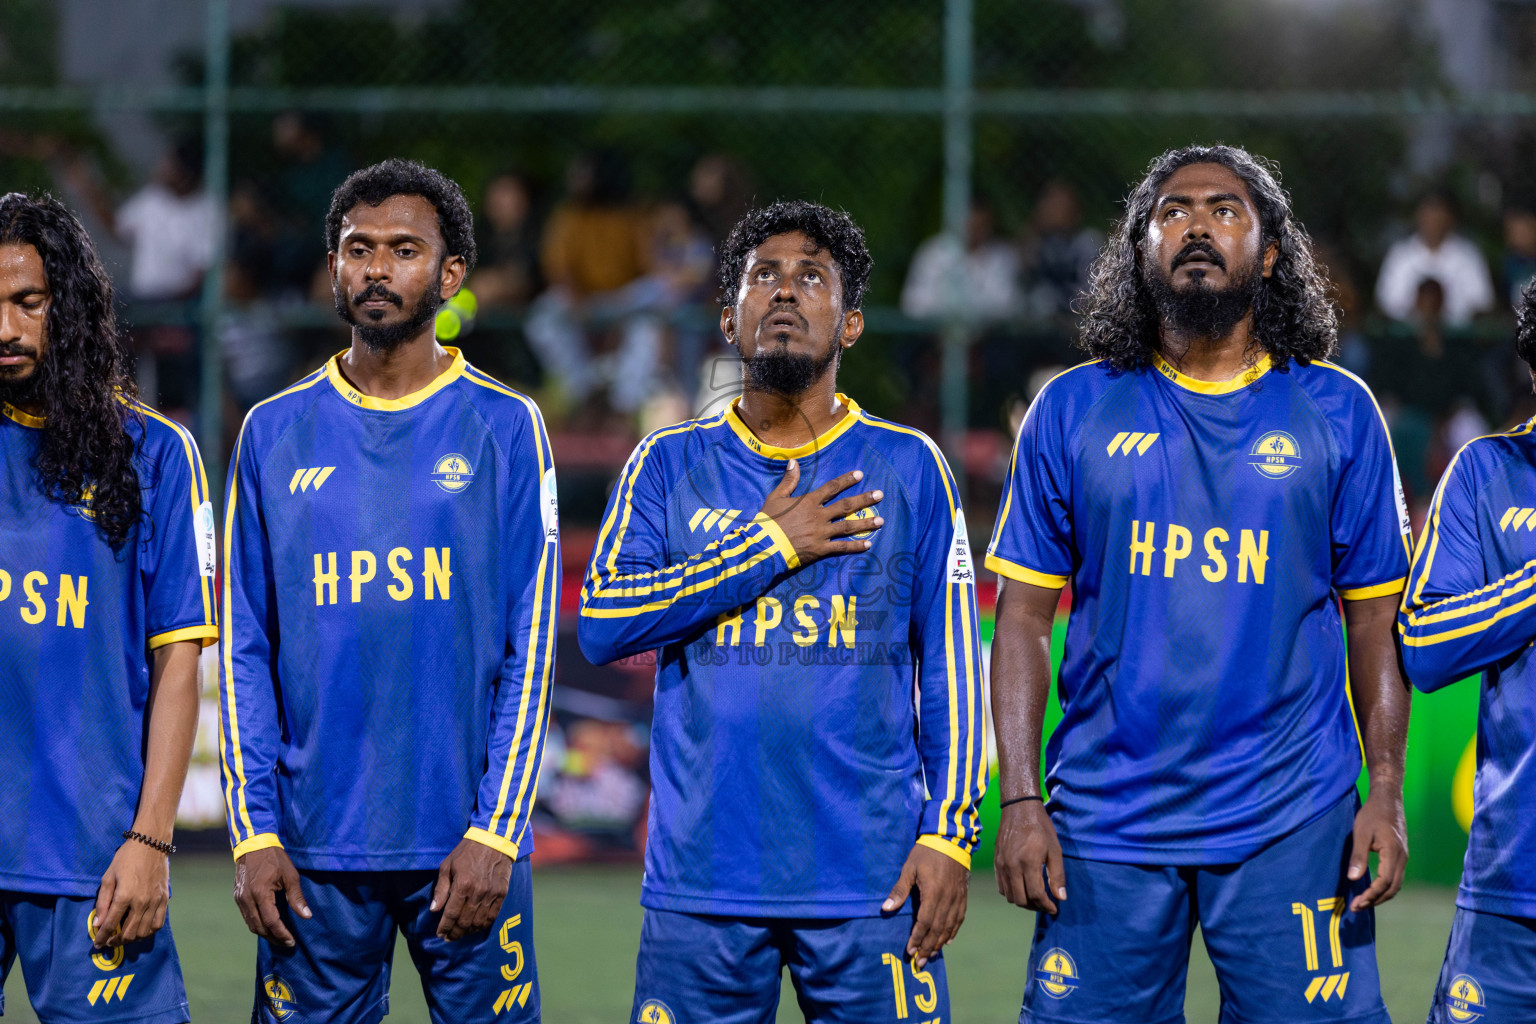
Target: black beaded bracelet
{"points": [[1019, 800], [165, 848]]}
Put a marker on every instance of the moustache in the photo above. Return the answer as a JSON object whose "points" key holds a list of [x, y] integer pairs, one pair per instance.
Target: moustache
{"points": [[16, 348], [789, 311], [1204, 249], [377, 291]]}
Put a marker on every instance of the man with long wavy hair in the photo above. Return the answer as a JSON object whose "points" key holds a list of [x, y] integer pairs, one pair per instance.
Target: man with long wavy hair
{"points": [[1215, 491], [106, 597]]}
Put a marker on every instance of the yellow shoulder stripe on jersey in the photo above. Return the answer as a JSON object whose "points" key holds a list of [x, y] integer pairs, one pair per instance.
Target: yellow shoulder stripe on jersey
{"points": [[1013, 459], [1381, 418], [199, 487], [954, 796], [1212, 387], [1377, 590], [626, 486], [1426, 551], [740, 429], [1024, 574], [346, 390]]}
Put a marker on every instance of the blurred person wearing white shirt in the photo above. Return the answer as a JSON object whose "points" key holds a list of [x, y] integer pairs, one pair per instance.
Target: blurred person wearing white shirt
{"points": [[981, 283], [1435, 251]]}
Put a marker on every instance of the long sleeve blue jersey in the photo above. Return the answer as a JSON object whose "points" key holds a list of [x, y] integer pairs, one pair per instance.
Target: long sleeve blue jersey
{"points": [[812, 722], [1209, 531], [78, 625], [391, 586], [1470, 609]]}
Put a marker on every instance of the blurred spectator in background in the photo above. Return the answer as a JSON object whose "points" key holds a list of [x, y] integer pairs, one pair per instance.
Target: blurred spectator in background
{"points": [[1519, 251], [596, 243], [979, 283], [1354, 350], [507, 274], [1435, 251], [1057, 251], [168, 226], [720, 190], [309, 168]]}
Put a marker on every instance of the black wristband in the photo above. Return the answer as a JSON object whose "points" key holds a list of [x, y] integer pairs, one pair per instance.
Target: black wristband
{"points": [[165, 848], [1019, 800]]}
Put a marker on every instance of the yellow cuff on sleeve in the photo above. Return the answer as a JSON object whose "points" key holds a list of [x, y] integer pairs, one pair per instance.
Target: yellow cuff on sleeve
{"points": [[1379, 590], [209, 635], [781, 542], [260, 841], [498, 843], [947, 848], [1015, 571]]}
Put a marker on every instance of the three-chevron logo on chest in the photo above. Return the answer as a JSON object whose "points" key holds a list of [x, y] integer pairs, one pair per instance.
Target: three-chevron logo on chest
{"points": [[1125, 442], [1515, 518], [707, 519]]}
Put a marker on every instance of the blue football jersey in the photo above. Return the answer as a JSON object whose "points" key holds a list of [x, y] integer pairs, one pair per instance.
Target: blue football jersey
{"points": [[812, 723], [392, 583], [1209, 531], [1470, 608], [78, 623]]}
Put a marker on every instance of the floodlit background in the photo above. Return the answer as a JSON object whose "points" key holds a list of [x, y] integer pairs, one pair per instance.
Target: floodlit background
{"points": [[607, 146]]}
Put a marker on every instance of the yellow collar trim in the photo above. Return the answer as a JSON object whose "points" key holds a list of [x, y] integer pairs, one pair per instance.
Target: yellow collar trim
{"points": [[356, 397], [1212, 387], [837, 430], [26, 419]]}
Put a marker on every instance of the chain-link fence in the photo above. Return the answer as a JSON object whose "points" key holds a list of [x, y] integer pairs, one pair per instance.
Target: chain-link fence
{"points": [[1008, 131]]}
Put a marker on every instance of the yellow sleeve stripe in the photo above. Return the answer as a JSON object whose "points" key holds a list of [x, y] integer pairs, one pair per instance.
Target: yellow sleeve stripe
{"points": [[1412, 640], [781, 542], [194, 466], [209, 635], [620, 586], [623, 613], [1379, 590], [1015, 571], [494, 841], [260, 841], [1387, 433], [537, 623], [540, 725], [230, 790], [1507, 587], [947, 848], [1013, 460], [1432, 526]]}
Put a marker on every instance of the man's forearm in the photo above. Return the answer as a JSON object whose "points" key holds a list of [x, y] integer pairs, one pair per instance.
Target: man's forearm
{"points": [[1021, 683], [172, 714], [1381, 695]]}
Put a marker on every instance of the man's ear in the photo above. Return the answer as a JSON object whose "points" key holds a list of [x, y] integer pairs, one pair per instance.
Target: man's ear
{"points": [[452, 277], [853, 327], [1271, 254], [728, 323]]}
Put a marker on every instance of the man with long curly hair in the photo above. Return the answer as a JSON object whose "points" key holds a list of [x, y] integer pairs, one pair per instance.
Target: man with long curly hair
{"points": [[817, 751], [1215, 491], [106, 598]]}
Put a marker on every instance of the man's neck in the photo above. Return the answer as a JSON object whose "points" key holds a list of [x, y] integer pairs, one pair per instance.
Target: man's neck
{"points": [[789, 421], [397, 372], [1210, 359]]}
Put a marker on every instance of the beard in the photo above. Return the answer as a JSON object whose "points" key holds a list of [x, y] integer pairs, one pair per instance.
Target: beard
{"points": [[1199, 309], [20, 391], [787, 373], [385, 337]]}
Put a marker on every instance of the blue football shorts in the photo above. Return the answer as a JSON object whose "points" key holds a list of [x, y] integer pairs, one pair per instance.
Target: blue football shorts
{"points": [[69, 980], [1277, 926], [338, 971], [1489, 972], [700, 969]]}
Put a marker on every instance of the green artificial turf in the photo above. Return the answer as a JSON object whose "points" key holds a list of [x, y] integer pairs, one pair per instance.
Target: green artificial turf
{"points": [[587, 925]]}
